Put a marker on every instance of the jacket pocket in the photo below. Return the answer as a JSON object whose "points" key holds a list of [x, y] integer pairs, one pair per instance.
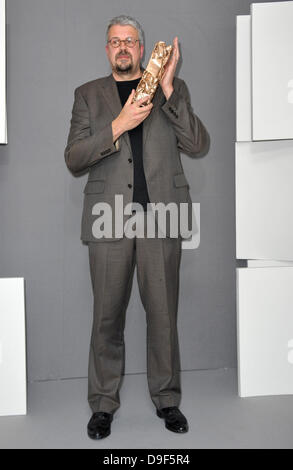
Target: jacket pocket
{"points": [[94, 187], [180, 180]]}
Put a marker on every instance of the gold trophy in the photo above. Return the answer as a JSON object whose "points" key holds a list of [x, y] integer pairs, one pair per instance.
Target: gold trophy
{"points": [[153, 73]]}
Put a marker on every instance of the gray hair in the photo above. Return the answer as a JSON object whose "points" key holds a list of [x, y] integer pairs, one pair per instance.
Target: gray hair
{"points": [[127, 20]]}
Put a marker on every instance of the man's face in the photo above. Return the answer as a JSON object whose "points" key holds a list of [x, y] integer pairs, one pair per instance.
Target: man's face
{"points": [[123, 59]]}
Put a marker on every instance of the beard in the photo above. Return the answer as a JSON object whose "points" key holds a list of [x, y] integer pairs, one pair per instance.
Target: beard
{"points": [[124, 66]]}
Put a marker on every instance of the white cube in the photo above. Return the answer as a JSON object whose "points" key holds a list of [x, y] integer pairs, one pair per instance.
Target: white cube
{"points": [[13, 396], [265, 331]]}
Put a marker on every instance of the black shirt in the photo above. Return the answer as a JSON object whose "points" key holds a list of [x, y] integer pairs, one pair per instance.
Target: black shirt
{"points": [[140, 192]]}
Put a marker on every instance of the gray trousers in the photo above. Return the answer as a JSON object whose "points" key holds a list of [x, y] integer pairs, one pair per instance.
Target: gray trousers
{"points": [[112, 266]]}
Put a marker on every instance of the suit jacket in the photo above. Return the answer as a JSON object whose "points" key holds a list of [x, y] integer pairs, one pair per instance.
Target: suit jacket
{"points": [[170, 128]]}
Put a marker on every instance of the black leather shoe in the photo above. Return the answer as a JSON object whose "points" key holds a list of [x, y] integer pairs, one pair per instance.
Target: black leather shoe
{"points": [[99, 426], [174, 420]]}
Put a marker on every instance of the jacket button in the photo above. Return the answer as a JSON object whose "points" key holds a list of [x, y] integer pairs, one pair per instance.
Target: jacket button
{"points": [[130, 185], [130, 160]]}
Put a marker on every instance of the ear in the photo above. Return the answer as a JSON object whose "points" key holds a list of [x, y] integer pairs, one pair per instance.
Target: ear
{"points": [[141, 50]]}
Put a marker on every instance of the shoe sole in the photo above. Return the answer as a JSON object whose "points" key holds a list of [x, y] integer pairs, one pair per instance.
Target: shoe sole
{"points": [[94, 436]]}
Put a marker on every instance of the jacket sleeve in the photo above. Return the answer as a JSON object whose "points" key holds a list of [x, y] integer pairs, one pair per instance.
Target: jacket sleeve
{"points": [[84, 149], [190, 131]]}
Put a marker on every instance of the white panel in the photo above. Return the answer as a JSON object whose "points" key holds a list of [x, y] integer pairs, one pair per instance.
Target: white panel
{"points": [[264, 200], [272, 70], [263, 263], [265, 331], [12, 347], [243, 79], [3, 120]]}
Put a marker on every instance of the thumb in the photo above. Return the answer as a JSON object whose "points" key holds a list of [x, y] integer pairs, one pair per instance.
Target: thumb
{"points": [[129, 99]]}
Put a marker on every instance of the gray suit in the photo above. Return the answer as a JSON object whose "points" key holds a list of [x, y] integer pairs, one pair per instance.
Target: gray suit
{"points": [[170, 128]]}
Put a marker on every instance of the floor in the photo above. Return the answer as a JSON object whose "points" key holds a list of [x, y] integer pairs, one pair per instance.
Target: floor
{"points": [[58, 414]]}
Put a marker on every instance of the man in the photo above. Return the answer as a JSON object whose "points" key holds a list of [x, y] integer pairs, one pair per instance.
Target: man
{"points": [[132, 149]]}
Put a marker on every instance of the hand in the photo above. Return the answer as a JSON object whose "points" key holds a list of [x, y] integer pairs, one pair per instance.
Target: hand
{"points": [[170, 68], [132, 114]]}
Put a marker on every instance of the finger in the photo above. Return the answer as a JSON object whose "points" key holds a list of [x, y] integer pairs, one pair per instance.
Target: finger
{"points": [[144, 108], [144, 114], [174, 54], [142, 100], [177, 49], [129, 99], [142, 104], [175, 44]]}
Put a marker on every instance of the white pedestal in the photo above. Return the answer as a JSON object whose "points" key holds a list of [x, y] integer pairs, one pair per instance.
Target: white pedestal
{"points": [[265, 330], [272, 70], [12, 347]]}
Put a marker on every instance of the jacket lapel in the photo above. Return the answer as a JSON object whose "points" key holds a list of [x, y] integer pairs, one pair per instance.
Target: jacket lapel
{"points": [[113, 99]]}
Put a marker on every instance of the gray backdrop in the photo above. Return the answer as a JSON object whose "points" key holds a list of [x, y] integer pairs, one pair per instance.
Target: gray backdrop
{"points": [[53, 47]]}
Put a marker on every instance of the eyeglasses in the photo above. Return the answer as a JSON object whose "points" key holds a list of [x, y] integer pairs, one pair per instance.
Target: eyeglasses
{"points": [[129, 42]]}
